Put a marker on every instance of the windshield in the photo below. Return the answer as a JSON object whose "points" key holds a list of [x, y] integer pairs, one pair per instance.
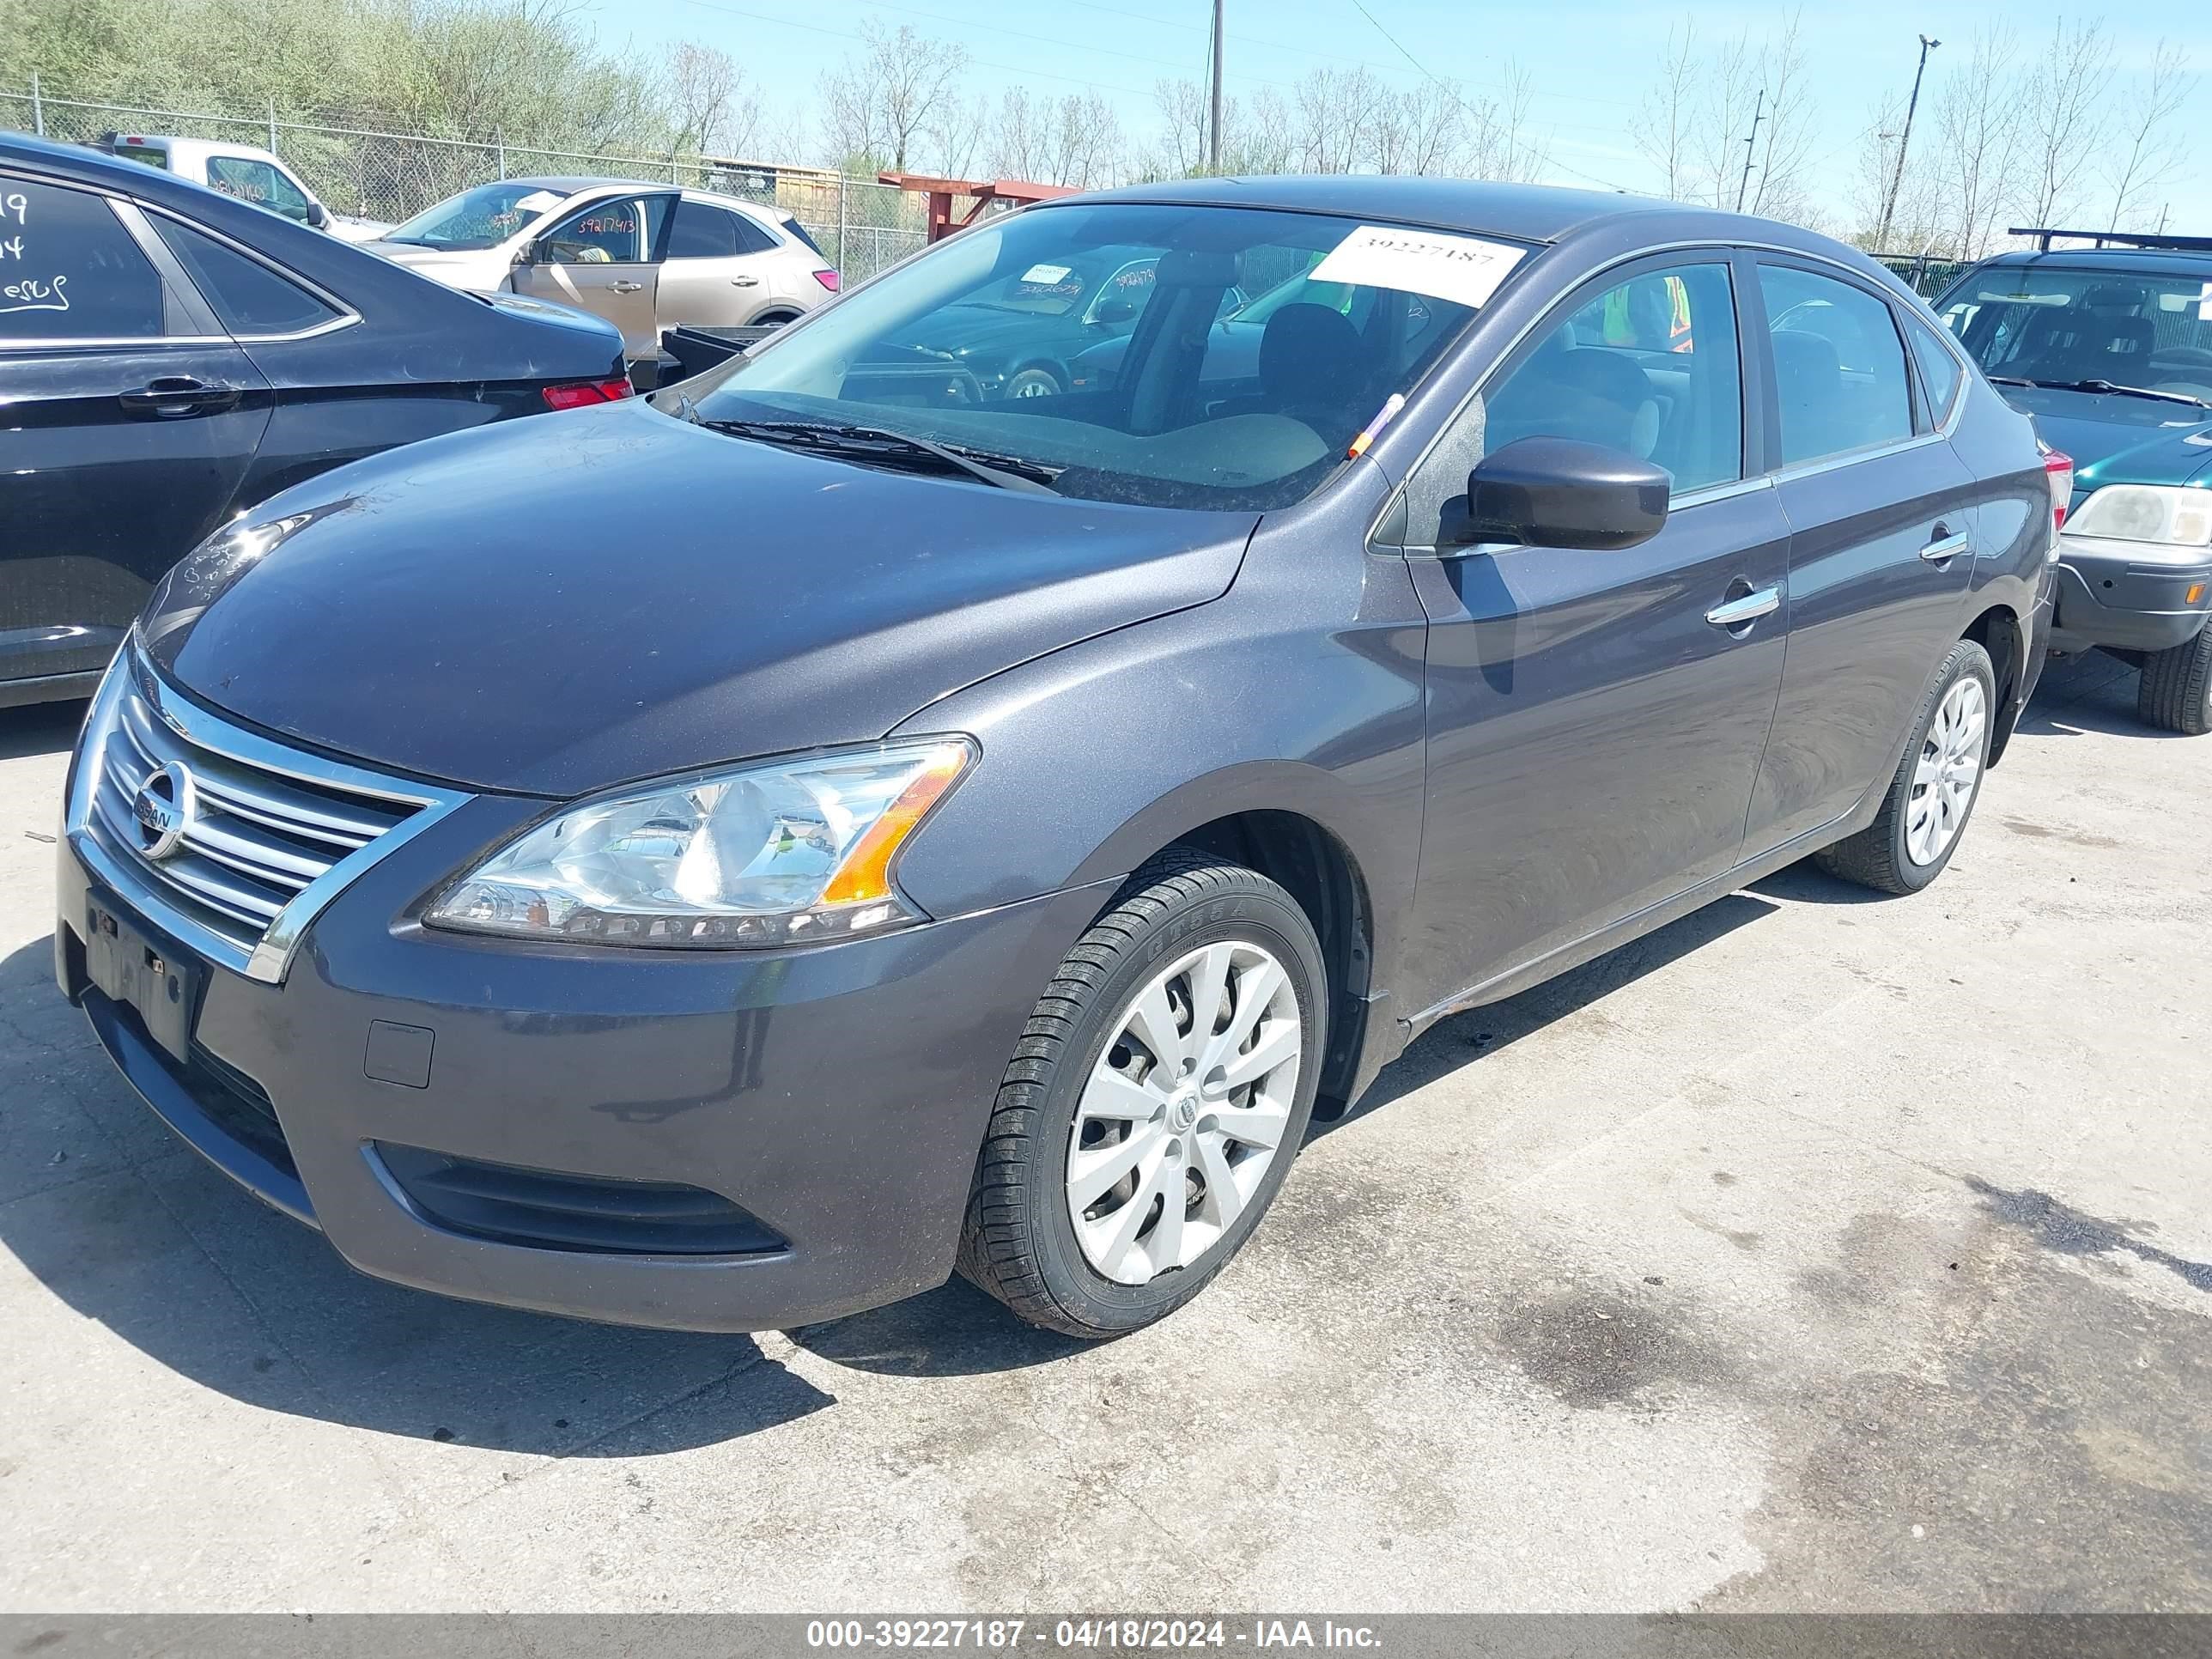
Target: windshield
{"points": [[2128, 327], [480, 218], [970, 346]]}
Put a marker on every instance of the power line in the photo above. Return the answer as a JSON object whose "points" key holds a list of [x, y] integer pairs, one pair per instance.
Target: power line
{"points": [[1452, 92]]}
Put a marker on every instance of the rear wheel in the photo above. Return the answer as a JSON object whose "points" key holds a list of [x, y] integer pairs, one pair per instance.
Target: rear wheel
{"points": [[1155, 1101], [1933, 790], [2175, 692]]}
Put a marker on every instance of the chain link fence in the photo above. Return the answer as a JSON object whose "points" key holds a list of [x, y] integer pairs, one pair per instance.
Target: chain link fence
{"points": [[861, 225]]}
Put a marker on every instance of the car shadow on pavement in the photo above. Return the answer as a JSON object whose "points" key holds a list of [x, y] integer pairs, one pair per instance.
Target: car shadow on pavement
{"points": [[1461, 1038], [42, 728], [127, 1226]]}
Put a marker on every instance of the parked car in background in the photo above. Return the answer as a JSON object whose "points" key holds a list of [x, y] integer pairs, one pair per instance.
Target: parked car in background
{"points": [[746, 852], [1021, 336], [2110, 349], [644, 256], [250, 175], [170, 357]]}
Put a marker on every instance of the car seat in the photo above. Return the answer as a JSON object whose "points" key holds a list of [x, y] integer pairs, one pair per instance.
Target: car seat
{"points": [[1809, 377]]}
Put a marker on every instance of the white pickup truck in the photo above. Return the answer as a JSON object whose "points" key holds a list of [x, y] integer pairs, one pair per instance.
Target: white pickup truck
{"points": [[240, 170]]}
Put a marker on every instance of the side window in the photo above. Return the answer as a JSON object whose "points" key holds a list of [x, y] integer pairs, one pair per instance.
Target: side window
{"points": [[1648, 365], [702, 233], [1940, 373], [1838, 365], [622, 232], [70, 271], [258, 183], [751, 239], [248, 296]]}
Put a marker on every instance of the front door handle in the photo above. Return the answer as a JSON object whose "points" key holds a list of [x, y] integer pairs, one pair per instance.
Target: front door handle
{"points": [[1946, 548], [172, 395], [745, 282], [1739, 612], [625, 286]]}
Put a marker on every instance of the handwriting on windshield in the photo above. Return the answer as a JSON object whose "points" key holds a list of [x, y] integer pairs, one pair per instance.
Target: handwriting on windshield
{"points": [[24, 293]]}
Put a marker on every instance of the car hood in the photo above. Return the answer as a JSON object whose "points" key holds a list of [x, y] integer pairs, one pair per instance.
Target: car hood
{"points": [[2115, 439], [554, 605]]}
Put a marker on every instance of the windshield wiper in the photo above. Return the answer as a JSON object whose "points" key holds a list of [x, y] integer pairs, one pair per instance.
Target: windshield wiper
{"points": [[2105, 386], [881, 445]]}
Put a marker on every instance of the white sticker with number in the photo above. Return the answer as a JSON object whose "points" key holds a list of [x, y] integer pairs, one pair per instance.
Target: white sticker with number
{"points": [[1465, 270], [2205, 305]]}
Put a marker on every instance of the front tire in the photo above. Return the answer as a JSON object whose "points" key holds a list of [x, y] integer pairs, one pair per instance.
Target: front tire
{"points": [[1933, 791], [1033, 383], [1154, 1103], [2175, 692]]}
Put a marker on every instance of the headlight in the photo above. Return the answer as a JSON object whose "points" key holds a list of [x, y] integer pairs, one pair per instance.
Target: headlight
{"points": [[2146, 513], [776, 852]]}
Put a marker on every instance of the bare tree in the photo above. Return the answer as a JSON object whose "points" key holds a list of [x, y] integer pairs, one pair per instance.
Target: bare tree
{"points": [[1783, 144], [1257, 136], [895, 92], [2065, 95], [1424, 131], [1663, 128], [2141, 160], [711, 107], [1504, 146], [1334, 113], [1978, 122]]}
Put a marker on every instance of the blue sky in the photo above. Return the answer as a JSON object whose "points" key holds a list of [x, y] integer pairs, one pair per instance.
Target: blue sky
{"points": [[1592, 61]]}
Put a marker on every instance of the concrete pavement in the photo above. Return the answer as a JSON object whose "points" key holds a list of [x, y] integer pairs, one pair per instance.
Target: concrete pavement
{"points": [[1818, 1252]]}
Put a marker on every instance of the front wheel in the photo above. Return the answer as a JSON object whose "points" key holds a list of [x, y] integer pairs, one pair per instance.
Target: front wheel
{"points": [[1154, 1103], [2175, 692], [1033, 383], [1933, 790]]}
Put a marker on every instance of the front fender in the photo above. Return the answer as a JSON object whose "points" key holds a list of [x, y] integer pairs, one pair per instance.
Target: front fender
{"points": [[1298, 691]]}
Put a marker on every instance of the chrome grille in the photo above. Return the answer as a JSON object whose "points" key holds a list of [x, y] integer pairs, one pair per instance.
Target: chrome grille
{"points": [[268, 834]]}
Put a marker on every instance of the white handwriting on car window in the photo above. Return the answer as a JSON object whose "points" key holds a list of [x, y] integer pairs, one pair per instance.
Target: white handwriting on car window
{"points": [[26, 293]]}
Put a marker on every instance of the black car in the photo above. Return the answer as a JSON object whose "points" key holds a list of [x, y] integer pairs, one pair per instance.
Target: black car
{"points": [[744, 853], [1019, 335], [172, 356]]}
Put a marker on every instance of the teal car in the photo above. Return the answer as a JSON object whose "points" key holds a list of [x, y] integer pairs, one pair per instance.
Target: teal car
{"points": [[2109, 349]]}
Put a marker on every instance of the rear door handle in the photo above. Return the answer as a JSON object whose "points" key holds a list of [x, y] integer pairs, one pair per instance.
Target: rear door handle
{"points": [[745, 282], [1944, 548], [625, 287], [172, 395], [1736, 613]]}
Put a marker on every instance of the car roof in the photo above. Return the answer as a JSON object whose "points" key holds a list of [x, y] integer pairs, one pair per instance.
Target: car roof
{"points": [[1527, 213], [2149, 261]]}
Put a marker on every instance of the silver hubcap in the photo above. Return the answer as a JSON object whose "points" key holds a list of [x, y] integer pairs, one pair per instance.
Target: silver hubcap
{"points": [[1948, 771], [1184, 1111], [1033, 388]]}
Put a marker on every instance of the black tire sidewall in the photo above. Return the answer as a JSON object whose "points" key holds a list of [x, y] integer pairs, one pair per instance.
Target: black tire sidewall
{"points": [[1967, 658], [1251, 914]]}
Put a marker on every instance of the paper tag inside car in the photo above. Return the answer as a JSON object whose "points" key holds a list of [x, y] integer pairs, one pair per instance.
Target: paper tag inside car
{"points": [[2205, 305], [1462, 269]]}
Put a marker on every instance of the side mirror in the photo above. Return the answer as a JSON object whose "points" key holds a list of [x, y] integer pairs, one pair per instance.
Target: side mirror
{"points": [[527, 254], [318, 217], [1115, 312], [1560, 492]]}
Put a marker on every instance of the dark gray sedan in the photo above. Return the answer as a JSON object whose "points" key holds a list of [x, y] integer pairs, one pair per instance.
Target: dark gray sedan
{"points": [[724, 862]]}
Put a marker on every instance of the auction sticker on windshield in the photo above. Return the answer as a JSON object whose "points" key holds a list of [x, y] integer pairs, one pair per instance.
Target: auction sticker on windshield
{"points": [[1463, 269], [2205, 305]]}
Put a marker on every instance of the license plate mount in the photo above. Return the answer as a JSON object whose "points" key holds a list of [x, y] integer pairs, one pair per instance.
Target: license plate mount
{"points": [[159, 983]]}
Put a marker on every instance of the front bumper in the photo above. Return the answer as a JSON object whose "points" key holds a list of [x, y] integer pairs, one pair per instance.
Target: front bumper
{"points": [[835, 1097], [2132, 596]]}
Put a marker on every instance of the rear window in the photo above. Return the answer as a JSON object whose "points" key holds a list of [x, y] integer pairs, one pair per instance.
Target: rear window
{"points": [[152, 155]]}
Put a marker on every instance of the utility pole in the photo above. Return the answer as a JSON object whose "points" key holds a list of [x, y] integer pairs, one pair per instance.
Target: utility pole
{"points": [[1213, 121], [1758, 113], [1897, 178]]}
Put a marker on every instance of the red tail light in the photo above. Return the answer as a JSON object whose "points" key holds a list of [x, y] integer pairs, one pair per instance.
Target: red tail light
{"points": [[828, 279], [575, 396], [2058, 469]]}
